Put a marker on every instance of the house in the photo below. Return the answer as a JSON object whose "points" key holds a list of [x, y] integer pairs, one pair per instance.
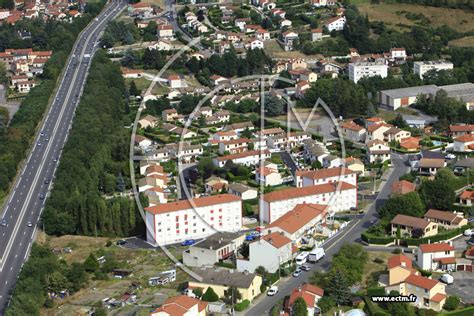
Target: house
{"points": [[305, 178], [156, 195], [216, 185], [430, 166], [316, 35], [161, 45], [176, 130], [460, 130], [353, 132], [262, 34], [407, 281], [243, 191], [301, 88], [278, 13], [176, 222], [437, 256], [287, 140], [247, 158], [300, 222], [256, 44], [420, 68], [398, 53], [311, 294], [240, 127], [394, 134], [223, 136], [463, 165], [355, 165], [466, 198], [319, 3], [376, 131], [142, 142], [176, 82], [271, 251], [290, 38], [220, 279], [361, 70], [448, 220], [148, 121], [411, 144], [170, 115], [186, 152], [339, 195], [268, 175], [402, 187], [285, 23], [181, 305], [332, 161], [161, 154], [269, 132], [217, 80], [377, 151], [241, 22], [165, 32], [464, 143], [234, 146], [336, 23], [213, 249], [404, 225]]}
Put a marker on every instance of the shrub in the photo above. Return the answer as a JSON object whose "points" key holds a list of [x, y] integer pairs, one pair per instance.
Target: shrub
{"points": [[397, 251], [378, 260], [242, 305], [210, 295], [452, 303]]}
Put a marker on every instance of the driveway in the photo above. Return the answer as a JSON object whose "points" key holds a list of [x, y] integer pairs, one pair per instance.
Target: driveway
{"points": [[462, 286]]}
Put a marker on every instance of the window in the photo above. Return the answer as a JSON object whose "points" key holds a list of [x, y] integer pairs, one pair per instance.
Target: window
{"points": [[212, 218], [212, 211], [177, 218], [177, 225], [186, 217], [177, 231]]}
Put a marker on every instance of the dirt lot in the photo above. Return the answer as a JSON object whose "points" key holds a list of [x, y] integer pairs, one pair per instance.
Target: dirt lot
{"points": [[460, 20], [467, 41]]}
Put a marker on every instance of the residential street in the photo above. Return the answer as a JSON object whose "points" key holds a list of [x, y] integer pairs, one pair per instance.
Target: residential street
{"points": [[263, 304]]}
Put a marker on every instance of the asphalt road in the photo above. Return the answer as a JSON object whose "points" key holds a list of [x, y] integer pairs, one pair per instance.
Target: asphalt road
{"points": [[350, 234], [26, 200]]}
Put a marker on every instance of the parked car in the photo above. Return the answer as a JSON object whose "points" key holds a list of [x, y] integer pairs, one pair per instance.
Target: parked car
{"points": [[272, 291], [450, 156], [188, 242], [297, 272], [447, 278], [468, 232], [121, 242], [249, 238], [305, 267], [471, 241]]}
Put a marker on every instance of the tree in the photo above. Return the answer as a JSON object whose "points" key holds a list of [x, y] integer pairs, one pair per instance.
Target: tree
{"points": [[299, 308], [3, 74], [439, 193], [351, 260], [338, 287], [210, 295], [232, 295], [452, 303], [133, 90], [206, 167], [326, 303], [274, 106], [406, 204], [198, 292], [91, 264]]}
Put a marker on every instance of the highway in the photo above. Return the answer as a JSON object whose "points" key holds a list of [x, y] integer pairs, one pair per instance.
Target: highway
{"points": [[26, 200], [350, 234]]}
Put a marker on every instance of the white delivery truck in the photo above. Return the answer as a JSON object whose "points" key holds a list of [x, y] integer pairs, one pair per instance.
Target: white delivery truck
{"points": [[302, 258], [316, 254]]}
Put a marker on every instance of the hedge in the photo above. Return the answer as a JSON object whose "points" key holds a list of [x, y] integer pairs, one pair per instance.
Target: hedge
{"points": [[469, 311], [439, 237], [379, 240], [242, 305], [373, 309]]}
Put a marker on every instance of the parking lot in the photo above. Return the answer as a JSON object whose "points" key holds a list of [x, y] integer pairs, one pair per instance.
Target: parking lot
{"points": [[462, 286]]}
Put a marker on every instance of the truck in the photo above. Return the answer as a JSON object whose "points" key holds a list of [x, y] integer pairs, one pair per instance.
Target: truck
{"points": [[302, 258], [316, 254]]}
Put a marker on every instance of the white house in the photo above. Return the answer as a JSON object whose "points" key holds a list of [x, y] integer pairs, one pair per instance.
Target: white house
{"points": [[353, 132], [398, 53], [420, 68], [176, 82], [377, 150], [338, 196], [176, 222], [437, 256], [309, 293], [243, 191], [256, 43], [316, 35], [299, 222], [361, 70], [464, 143], [222, 136], [143, 142], [247, 158], [165, 31], [268, 175], [270, 251], [234, 146], [336, 23]]}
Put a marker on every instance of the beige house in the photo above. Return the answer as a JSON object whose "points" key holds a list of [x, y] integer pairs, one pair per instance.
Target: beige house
{"points": [[449, 220], [353, 132], [409, 225], [377, 150], [243, 191], [220, 279], [355, 164], [148, 121], [216, 185], [430, 166], [376, 131], [395, 134], [268, 175], [181, 305]]}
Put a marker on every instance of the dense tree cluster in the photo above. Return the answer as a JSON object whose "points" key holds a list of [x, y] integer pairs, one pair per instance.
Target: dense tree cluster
{"points": [[407, 204], [119, 32], [95, 163], [52, 35]]}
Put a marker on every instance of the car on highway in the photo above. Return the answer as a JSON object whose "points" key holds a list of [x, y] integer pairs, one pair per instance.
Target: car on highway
{"points": [[272, 291], [305, 267], [42, 134], [29, 224], [46, 139], [47, 181], [297, 272], [38, 144], [3, 222], [55, 159], [188, 242], [41, 197]]}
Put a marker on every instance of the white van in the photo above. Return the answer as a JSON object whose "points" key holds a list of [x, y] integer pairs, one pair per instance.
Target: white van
{"points": [[316, 254], [302, 258], [447, 278]]}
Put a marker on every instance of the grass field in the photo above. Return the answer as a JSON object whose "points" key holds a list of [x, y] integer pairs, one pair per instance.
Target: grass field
{"points": [[273, 49], [467, 41], [460, 20]]}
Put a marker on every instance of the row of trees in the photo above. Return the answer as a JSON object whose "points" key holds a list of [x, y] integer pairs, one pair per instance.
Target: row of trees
{"points": [[94, 163], [52, 35]]}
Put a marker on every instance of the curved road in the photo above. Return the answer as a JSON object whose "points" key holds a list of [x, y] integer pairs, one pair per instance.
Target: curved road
{"points": [[26, 200], [350, 234]]}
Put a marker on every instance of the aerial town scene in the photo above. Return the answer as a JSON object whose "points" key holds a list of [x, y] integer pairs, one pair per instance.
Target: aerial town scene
{"points": [[237, 157]]}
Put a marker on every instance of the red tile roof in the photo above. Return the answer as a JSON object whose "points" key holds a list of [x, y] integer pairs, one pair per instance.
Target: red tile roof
{"points": [[421, 281], [188, 204], [399, 260], [297, 218], [436, 247], [461, 128], [308, 292], [467, 195], [291, 193], [441, 215], [438, 297], [465, 138], [277, 240], [410, 221], [403, 187]]}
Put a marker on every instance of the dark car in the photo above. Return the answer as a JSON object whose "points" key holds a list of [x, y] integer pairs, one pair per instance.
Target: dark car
{"points": [[41, 196], [47, 181], [121, 242]]}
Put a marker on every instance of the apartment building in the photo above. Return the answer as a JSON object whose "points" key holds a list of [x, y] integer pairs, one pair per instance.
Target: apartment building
{"points": [[420, 68], [339, 195], [193, 219], [361, 70], [305, 178]]}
